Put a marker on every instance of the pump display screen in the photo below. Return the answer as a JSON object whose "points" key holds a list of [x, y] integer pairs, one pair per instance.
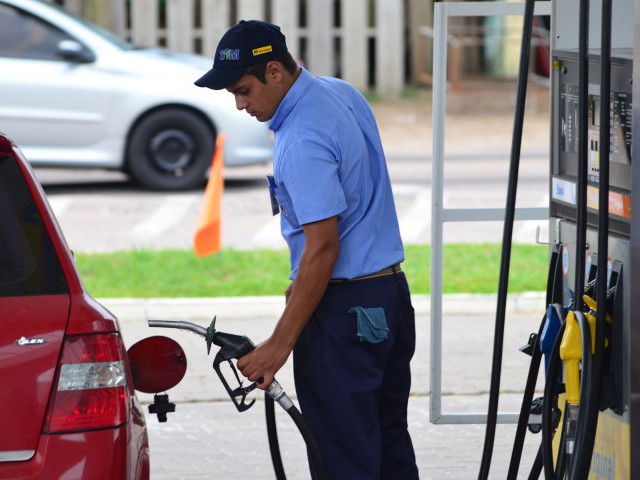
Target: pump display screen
{"points": [[566, 114], [566, 141], [620, 104]]}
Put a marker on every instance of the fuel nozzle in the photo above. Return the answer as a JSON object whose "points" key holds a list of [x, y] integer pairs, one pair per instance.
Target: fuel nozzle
{"points": [[231, 346], [553, 323], [593, 305], [210, 334], [235, 346], [571, 354]]}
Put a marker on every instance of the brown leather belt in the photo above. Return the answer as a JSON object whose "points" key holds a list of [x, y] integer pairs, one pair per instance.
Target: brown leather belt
{"points": [[380, 273]]}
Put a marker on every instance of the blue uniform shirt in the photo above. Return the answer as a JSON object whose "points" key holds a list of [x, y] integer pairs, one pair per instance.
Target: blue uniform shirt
{"points": [[329, 162]]}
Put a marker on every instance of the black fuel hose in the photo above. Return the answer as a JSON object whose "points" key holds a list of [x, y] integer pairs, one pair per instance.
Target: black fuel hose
{"points": [[583, 134], [505, 260], [561, 465], [312, 449], [276, 394], [536, 468], [549, 401], [525, 408], [272, 434], [587, 421], [550, 418], [534, 367]]}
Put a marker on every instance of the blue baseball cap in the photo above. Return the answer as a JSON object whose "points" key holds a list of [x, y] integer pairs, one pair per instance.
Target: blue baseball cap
{"points": [[248, 43]]}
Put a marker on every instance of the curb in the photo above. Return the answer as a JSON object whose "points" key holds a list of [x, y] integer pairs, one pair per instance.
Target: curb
{"points": [[257, 307]]}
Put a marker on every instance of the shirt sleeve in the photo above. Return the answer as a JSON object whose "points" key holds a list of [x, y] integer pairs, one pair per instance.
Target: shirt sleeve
{"points": [[310, 173]]}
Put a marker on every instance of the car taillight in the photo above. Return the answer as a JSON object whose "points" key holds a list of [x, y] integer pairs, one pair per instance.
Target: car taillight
{"points": [[91, 388]]}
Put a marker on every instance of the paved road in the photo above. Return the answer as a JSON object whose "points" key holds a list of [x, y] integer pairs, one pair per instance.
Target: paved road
{"points": [[103, 211]]}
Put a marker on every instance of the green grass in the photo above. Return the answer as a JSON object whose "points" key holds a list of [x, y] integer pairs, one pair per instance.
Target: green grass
{"points": [[468, 268]]}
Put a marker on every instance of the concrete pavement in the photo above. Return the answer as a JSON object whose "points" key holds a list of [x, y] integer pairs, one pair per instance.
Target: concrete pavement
{"points": [[207, 438], [211, 440]]}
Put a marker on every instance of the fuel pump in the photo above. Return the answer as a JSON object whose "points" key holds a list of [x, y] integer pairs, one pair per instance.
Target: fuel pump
{"points": [[591, 156], [590, 418]]}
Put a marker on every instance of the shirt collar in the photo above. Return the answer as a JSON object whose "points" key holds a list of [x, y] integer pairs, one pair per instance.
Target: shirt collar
{"points": [[297, 90]]}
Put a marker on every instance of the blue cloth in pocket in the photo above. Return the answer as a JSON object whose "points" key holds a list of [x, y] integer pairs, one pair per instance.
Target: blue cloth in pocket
{"points": [[372, 324]]}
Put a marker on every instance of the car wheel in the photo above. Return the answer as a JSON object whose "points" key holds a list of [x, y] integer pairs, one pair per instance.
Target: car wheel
{"points": [[170, 150]]}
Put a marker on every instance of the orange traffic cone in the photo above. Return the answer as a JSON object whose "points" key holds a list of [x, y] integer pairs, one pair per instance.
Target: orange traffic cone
{"points": [[207, 238]]}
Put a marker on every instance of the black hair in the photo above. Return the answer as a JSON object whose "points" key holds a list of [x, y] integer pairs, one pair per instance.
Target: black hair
{"points": [[260, 71]]}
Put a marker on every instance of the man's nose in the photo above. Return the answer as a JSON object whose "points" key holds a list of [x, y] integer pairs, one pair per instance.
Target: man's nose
{"points": [[241, 103]]}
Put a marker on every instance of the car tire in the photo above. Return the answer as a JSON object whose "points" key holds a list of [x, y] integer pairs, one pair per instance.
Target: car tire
{"points": [[170, 149]]}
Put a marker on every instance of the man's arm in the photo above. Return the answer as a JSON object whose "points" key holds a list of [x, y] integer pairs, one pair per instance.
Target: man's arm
{"points": [[319, 256]]}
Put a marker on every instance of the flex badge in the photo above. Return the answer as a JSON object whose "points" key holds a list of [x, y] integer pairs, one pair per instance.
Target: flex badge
{"points": [[22, 341]]}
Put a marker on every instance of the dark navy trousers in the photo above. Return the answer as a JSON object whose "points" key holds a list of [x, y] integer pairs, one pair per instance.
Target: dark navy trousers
{"points": [[353, 394]]}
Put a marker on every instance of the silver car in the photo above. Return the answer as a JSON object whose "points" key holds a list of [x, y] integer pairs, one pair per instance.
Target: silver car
{"points": [[74, 95]]}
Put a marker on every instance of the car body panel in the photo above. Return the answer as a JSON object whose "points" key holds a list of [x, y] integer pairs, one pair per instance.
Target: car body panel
{"points": [[65, 113], [31, 336], [30, 341], [40, 117], [74, 456]]}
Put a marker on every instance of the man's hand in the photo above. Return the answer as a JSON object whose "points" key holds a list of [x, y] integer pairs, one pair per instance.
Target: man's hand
{"points": [[264, 361]]}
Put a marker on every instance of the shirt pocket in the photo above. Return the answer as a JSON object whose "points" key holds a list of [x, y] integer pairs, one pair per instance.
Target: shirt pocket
{"points": [[286, 206]]}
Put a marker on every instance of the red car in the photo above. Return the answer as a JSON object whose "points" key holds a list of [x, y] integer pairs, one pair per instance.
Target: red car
{"points": [[68, 409]]}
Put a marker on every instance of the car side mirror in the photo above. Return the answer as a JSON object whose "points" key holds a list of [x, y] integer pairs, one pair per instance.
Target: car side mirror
{"points": [[157, 364], [73, 51]]}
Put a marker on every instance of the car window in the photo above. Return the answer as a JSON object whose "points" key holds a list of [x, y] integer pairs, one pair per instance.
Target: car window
{"points": [[29, 264], [25, 36], [103, 32]]}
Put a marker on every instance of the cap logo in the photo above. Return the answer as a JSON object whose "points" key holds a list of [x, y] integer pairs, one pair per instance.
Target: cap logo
{"points": [[228, 54], [261, 50]]}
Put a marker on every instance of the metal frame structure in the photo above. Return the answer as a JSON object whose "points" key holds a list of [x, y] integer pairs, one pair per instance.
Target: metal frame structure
{"points": [[634, 254], [439, 215]]}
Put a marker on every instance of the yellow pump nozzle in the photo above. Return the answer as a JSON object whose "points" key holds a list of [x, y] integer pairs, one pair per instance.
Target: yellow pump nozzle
{"points": [[593, 305], [591, 319], [571, 354]]}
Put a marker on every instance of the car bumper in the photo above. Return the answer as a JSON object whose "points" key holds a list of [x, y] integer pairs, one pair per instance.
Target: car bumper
{"points": [[111, 454]]}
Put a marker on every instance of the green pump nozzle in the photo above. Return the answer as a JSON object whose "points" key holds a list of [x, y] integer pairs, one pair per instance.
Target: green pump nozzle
{"points": [[211, 332]]}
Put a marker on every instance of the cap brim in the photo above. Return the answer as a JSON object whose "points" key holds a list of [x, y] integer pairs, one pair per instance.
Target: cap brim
{"points": [[218, 78]]}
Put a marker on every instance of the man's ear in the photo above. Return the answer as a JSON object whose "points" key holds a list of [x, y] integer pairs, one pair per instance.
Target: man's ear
{"points": [[274, 70]]}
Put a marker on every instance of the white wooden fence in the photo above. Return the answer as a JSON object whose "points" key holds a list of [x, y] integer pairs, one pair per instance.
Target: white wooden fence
{"points": [[361, 41]]}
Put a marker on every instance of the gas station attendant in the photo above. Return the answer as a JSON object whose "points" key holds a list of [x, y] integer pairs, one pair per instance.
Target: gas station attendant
{"points": [[348, 317]]}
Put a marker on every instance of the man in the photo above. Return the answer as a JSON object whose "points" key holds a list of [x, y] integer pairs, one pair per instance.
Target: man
{"points": [[348, 316]]}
